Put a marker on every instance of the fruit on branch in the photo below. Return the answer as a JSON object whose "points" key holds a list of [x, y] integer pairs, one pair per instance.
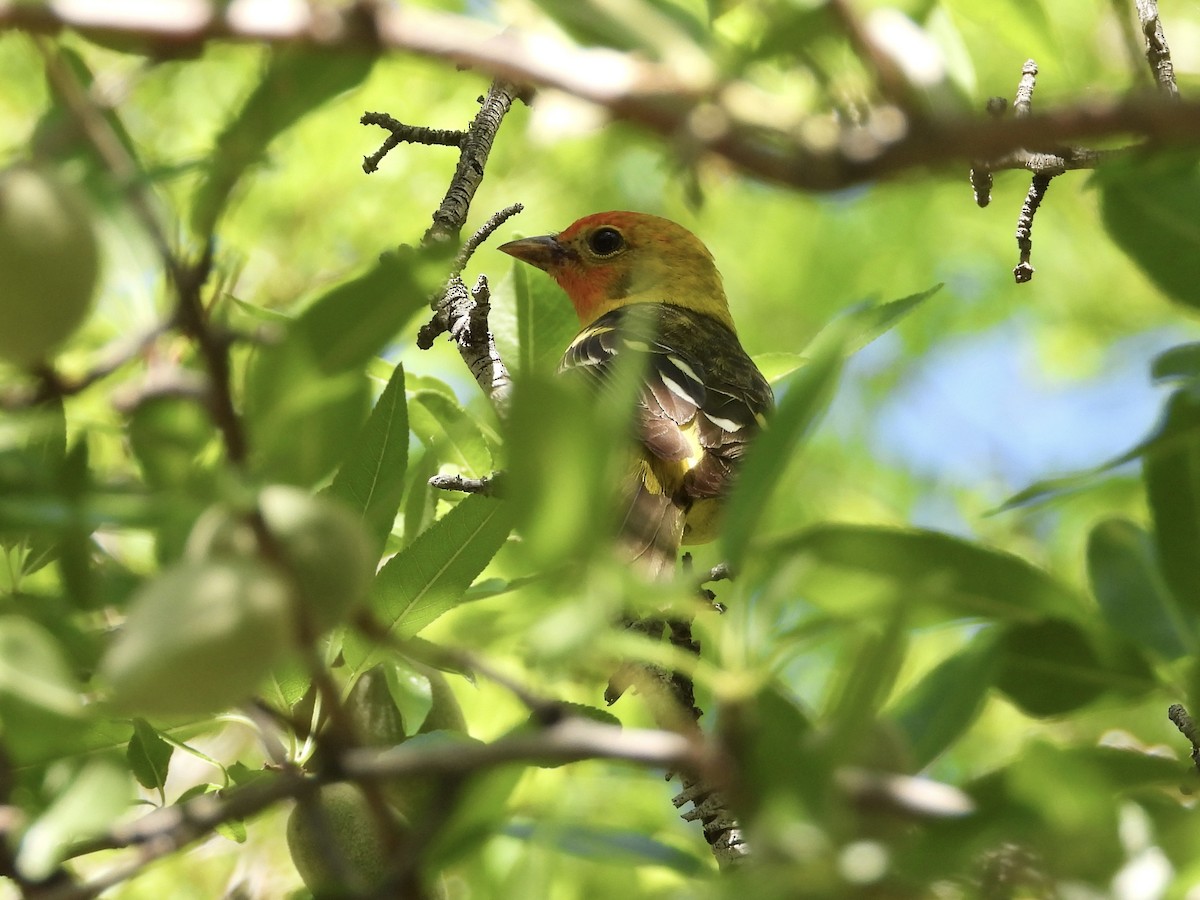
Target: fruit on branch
{"points": [[322, 546], [378, 723], [372, 710], [199, 638], [445, 713], [336, 843], [49, 261]]}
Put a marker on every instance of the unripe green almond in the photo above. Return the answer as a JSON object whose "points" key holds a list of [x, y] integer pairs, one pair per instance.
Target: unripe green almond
{"points": [[199, 638], [324, 546], [336, 847], [445, 714], [376, 719], [415, 795], [49, 262]]}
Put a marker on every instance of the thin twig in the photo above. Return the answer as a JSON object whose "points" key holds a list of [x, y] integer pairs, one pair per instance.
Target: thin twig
{"points": [[488, 485], [53, 384], [401, 133], [1158, 54], [1023, 104], [1023, 271], [482, 233]]}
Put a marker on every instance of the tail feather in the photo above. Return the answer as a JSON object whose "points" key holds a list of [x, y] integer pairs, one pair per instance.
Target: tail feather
{"points": [[650, 537], [652, 532]]}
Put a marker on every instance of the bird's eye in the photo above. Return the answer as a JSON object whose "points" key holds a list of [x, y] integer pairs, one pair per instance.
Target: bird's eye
{"points": [[605, 241]]}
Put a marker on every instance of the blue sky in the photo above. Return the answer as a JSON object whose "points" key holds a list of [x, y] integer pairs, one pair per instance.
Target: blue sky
{"points": [[982, 407]]}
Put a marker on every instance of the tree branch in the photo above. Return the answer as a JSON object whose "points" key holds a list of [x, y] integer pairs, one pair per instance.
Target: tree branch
{"points": [[654, 96], [572, 739]]}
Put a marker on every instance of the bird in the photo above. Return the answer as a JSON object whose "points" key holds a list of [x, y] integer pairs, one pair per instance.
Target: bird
{"points": [[642, 284]]}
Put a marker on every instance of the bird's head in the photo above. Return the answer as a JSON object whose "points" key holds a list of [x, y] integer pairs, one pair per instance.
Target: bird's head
{"points": [[612, 259]]}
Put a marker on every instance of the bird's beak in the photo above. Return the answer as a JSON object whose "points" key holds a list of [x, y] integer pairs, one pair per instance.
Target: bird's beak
{"points": [[543, 251]]}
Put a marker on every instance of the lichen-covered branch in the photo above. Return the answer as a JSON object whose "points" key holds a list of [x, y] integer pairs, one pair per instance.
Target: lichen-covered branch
{"points": [[450, 217], [464, 314], [1187, 727], [1158, 54], [400, 133], [1023, 271]]}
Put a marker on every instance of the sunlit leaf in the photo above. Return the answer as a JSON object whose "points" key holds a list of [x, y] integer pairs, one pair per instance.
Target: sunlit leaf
{"points": [[370, 479], [148, 756], [1171, 471], [429, 576], [1149, 205], [564, 467], [803, 400], [546, 323], [447, 430], [939, 571], [941, 706], [96, 794], [1129, 587]]}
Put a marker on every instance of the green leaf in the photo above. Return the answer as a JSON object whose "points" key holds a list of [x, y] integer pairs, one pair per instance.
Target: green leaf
{"points": [[148, 756], [938, 571], [777, 366], [1070, 793], [869, 321], [429, 576], [40, 705], [1053, 667], [1171, 470], [1177, 363], [808, 390], [937, 710], [166, 434], [613, 846], [1131, 592], [863, 678], [370, 479], [546, 323], [770, 737], [349, 324], [96, 794], [308, 393], [804, 398], [420, 504], [565, 463], [296, 81], [1149, 207], [445, 428]]}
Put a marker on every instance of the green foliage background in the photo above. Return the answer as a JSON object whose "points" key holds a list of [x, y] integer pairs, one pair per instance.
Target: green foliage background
{"points": [[1025, 653]]}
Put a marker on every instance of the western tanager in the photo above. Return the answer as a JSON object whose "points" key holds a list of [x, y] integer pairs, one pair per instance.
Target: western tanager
{"points": [[643, 284]]}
